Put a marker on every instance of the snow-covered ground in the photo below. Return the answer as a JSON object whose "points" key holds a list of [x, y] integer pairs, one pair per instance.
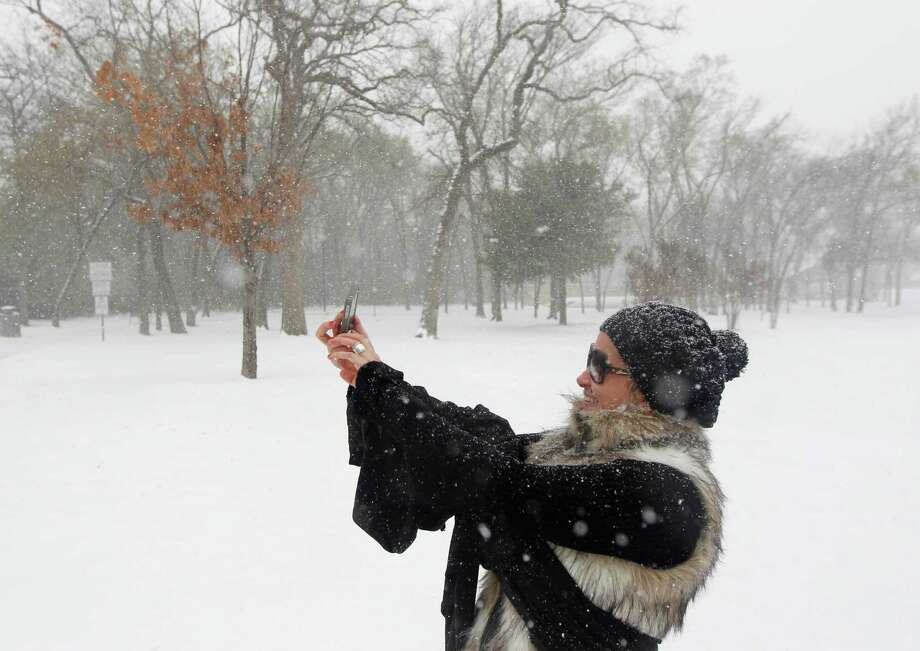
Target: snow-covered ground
{"points": [[151, 499]]}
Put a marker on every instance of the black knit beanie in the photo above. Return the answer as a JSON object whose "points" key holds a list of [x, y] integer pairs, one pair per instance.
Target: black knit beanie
{"points": [[679, 364]]}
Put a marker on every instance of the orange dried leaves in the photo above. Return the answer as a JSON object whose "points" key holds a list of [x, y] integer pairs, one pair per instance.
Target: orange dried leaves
{"points": [[205, 158]]}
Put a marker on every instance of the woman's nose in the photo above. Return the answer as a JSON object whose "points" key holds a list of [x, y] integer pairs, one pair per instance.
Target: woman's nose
{"points": [[584, 379]]}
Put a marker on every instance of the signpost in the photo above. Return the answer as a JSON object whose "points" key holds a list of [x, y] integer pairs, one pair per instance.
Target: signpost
{"points": [[100, 275]]}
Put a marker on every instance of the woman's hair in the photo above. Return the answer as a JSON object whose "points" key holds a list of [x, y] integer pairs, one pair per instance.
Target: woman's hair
{"points": [[635, 393]]}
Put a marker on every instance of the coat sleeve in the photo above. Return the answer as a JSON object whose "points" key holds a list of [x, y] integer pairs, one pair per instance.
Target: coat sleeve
{"points": [[394, 498], [475, 421], [645, 512]]}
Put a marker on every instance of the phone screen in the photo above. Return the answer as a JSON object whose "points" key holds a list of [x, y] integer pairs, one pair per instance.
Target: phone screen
{"points": [[351, 308]]}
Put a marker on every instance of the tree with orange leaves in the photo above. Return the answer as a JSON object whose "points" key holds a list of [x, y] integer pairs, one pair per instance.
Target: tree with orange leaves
{"points": [[202, 175]]}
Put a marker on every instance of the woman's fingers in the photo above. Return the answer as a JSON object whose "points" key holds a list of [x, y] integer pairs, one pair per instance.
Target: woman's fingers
{"points": [[347, 356], [333, 349], [326, 326], [350, 338], [338, 321], [359, 327], [323, 328], [339, 346]]}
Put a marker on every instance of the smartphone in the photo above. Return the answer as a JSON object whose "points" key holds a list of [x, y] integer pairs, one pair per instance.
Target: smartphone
{"points": [[351, 307]]}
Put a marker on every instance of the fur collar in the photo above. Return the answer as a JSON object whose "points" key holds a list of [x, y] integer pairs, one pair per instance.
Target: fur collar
{"points": [[652, 600], [603, 433]]}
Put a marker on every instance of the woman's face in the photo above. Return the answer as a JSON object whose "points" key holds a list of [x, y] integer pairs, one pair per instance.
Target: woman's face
{"points": [[616, 390]]}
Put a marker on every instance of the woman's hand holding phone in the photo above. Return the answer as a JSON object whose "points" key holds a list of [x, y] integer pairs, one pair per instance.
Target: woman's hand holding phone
{"points": [[340, 347]]}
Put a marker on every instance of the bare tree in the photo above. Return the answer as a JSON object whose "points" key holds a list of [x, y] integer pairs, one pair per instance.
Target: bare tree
{"points": [[343, 60], [532, 50], [876, 180], [679, 154], [22, 77]]}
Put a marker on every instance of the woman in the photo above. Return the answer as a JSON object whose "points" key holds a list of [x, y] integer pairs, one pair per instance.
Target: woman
{"points": [[595, 535]]}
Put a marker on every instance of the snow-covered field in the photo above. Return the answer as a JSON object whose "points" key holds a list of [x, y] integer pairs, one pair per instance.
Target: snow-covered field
{"points": [[151, 499]]}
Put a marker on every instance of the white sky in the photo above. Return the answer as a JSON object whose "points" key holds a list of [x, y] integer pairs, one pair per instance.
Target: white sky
{"points": [[834, 64]]}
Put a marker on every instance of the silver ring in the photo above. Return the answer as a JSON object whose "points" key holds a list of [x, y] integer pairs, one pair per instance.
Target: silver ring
{"points": [[359, 348]]}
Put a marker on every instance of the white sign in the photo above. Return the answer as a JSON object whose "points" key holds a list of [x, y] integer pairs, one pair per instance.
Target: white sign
{"points": [[102, 305], [102, 288], [100, 275], [100, 271]]}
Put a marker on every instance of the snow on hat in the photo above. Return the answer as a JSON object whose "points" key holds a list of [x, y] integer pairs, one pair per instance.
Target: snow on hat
{"points": [[679, 364]]}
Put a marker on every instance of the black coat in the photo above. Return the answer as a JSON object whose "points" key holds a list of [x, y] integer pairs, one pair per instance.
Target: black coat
{"points": [[424, 461]]}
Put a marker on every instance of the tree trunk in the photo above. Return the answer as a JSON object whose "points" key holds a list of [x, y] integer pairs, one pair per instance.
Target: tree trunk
{"points": [[581, 288], [731, 306], [210, 277], [851, 281], [446, 298], [376, 280], [158, 307], [476, 238], [249, 367], [774, 302], [25, 291], [428, 324], [563, 308], [322, 287], [537, 283], [897, 279], [808, 288], [407, 288], [194, 284], [465, 277], [23, 304], [888, 290], [293, 320], [861, 301], [553, 297], [496, 296], [167, 292], [597, 289], [264, 288], [480, 289], [142, 306], [606, 289], [733, 313]]}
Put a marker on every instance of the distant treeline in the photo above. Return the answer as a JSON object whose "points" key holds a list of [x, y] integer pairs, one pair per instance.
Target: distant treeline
{"points": [[273, 153]]}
